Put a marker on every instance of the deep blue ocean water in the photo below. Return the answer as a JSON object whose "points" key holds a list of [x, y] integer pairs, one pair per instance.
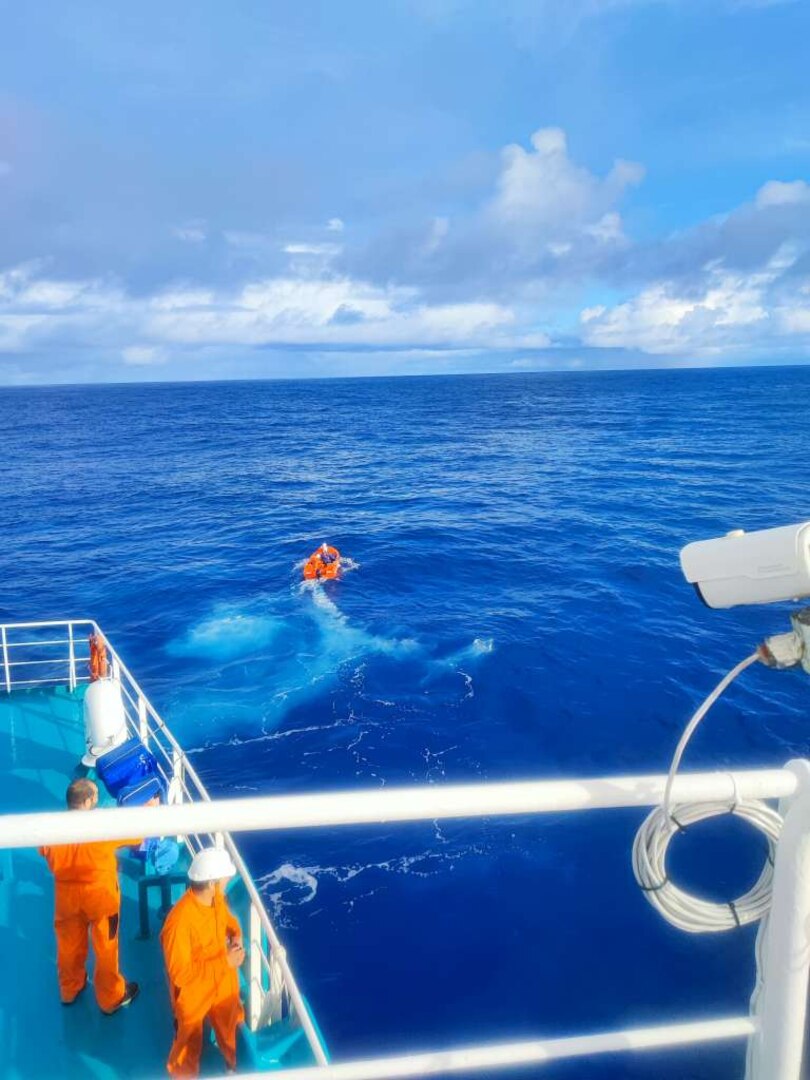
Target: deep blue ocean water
{"points": [[516, 610]]}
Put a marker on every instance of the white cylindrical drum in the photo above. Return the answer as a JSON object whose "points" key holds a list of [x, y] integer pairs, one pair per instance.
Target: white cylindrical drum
{"points": [[105, 724]]}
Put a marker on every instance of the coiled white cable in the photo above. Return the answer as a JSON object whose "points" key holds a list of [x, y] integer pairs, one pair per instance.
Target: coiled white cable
{"points": [[687, 912]]}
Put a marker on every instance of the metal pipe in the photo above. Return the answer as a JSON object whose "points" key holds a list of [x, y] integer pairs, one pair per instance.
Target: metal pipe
{"points": [[535, 1052], [5, 659], [777, 1050], [276, 812], [51, 622], [36, 663], [72, 657], [36, 644]]}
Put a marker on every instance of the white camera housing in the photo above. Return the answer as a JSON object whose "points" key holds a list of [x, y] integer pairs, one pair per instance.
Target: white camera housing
{"points": [[750, 568]]}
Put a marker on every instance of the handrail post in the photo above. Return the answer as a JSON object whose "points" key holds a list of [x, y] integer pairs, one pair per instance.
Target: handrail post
{"points": [[143, 723], [255, 987], [72, 655], [275, 993], [777, 1047], [178, 768], [6, 668]]}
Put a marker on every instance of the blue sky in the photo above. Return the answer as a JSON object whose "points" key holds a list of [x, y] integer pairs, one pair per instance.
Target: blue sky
{"points": [[249, 190]]}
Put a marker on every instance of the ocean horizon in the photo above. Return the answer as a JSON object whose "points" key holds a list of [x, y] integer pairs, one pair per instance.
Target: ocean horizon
{"points": [[388, 376]]}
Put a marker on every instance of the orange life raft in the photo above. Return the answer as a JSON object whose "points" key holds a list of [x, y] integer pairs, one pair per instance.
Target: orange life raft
{"points": [[322, 564]]}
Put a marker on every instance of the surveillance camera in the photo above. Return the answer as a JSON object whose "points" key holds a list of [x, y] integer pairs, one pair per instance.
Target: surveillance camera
{"points": [[750, 568]]}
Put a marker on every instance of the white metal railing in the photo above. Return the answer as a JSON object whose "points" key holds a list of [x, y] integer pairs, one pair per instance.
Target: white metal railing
{"points": [[273, 993], [778, 1042], [776, 1028], [62, 667], [534, 1052], [269, 813]]}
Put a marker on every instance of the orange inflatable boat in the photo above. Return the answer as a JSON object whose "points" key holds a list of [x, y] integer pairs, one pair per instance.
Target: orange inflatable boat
{"points": [[322, 564]]}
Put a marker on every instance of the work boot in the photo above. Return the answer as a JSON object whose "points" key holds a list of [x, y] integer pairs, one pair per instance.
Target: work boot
{"points": [[130, 993]]}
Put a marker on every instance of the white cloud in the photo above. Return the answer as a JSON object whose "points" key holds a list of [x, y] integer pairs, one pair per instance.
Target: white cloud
{"points": [[337, 311], [727, 312], [546, 218], [193, 232], [542, 187], [735, 285], [312, 249], [439, 229], [780, 193], [143, 355], [288, 310]]}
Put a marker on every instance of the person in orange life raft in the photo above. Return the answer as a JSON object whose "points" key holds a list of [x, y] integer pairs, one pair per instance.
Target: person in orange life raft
{"points": [[323, 563], [202, 947], [87, 899]]}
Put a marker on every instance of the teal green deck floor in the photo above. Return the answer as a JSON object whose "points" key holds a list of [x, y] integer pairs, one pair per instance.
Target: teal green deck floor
{"points": [[40, 747]]}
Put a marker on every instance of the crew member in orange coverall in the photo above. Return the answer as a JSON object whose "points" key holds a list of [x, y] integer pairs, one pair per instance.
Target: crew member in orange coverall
{"points": [[202, 947], [88, 898]]}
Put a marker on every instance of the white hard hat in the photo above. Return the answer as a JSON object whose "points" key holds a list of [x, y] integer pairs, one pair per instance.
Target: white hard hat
{"points": [[211, 864]]}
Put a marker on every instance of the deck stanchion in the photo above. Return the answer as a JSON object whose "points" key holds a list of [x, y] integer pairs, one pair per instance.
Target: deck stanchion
{"points": [[71, 658], [255, 988], [778, 1047], [143, 723], [6, 668]]}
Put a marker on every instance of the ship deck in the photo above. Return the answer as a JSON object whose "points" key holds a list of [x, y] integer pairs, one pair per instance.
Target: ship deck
{"points": [[40, 747]]}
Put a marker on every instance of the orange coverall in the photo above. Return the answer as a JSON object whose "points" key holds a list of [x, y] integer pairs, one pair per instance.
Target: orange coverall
{"points": [[201, 982], [87, 898]]}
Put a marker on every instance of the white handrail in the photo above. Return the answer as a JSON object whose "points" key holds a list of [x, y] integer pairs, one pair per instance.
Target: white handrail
{"points": [[271, 813], [49, 622], [535, 1052]]}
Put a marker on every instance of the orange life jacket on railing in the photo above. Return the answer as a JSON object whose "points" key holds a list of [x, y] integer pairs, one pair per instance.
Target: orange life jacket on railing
{"points": [[98, 658]]}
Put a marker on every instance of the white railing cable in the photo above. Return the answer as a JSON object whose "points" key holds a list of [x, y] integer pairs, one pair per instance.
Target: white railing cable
{"points": [[385, 805], [535, 1052]]}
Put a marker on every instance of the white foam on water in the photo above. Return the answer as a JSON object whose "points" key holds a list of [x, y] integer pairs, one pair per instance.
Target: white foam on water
{"points": [[342, 637], [460, 660], [295, 875], [228, 635], [293, 647], [293, 879]]}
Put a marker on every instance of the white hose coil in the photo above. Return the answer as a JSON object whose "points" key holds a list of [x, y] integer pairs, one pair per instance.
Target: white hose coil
{"points": [[687, 912], [691, 913]]}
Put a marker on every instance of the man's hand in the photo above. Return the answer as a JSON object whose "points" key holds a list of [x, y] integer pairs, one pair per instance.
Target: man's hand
{"points": [[235, 954]]}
